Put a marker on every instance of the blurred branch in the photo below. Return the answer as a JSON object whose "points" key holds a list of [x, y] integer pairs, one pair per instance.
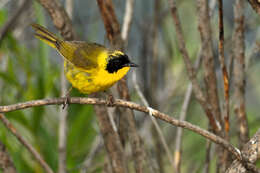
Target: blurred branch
{"points": [[94, 149], [114, 147], [111, 24], [11, 21], [223, 67], [111, 140], [127, 119], [250, 154], [6, 164], [239, 73], [60, 18], [208, 59], [255, 5], [129, 9], [64, 111], [210, 72], [190, 70], [184, 109], [130, 105], [29, 147], [208, 157], [157, 127]]}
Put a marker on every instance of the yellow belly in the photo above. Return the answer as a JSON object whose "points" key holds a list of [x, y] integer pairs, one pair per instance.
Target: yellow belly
{"points": [[94, 80]]}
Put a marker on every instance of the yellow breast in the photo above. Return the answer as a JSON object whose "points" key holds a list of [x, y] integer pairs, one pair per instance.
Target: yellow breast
{"points": [[95, 79]]}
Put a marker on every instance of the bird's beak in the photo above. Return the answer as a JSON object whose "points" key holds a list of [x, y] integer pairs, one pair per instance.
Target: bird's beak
{"points": [[130, 64]]}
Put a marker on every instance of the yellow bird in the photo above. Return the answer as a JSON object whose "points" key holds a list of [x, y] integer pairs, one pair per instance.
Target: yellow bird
{"points": [[89, 67]]}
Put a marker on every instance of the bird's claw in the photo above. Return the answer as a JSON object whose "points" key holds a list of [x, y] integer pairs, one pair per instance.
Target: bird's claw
{"points": [[110, 102], [66, 102]]}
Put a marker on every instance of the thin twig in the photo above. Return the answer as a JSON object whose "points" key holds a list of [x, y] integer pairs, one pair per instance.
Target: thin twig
{"points": [[130, 105], [208, 157], [63, 112], [223, 67], [11, 21], [60, 18], [94, 149], [255, 5], [157, 127], [208, 58], [250, 154], [112, 141], [239, 73], [6, 164], [196, 88], [184, 108], [30, 148], [129, 9]]}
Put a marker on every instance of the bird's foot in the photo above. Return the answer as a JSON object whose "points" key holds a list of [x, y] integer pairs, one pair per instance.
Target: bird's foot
{"points": [[67, 98], [110, 101]]}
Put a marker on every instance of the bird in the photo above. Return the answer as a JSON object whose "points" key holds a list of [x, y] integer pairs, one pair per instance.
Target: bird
{"points": [[89, 67]]}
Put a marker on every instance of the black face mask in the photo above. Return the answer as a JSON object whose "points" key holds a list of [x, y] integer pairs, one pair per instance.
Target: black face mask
{"points": [[117, 62]]}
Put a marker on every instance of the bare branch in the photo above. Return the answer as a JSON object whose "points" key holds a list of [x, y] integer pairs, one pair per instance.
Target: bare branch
{"points": [[29, 147], [223, 67], [184, 108], [64, 111], [157, 127], [250, 154], [11, 21], [6, 164], [111, 24], [130, 105], [129, 9], [239, 73], [60, 18], [97, 144], [190, 70], [111, 140], [255, 5], [117, 39], [208, 59]]}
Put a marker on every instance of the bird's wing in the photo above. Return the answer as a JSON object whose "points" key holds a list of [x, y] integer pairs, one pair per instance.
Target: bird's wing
{"points": [[83, 55]]}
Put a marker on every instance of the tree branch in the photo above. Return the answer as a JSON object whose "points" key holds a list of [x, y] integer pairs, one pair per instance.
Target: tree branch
{"points": [[240, 73], [30, 148], [9, 24], [130, 105], [60, 18], [6, 164], [190, 70]]}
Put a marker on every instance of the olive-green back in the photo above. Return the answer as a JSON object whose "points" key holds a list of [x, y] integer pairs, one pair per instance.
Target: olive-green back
{"points": [[81, 54]]}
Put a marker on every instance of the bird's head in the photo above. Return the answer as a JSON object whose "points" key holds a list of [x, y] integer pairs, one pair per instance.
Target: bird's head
{"points": [[118, 60]]}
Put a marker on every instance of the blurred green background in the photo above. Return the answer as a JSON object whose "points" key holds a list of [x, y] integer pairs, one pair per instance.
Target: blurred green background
{"points": [[29, 70]]}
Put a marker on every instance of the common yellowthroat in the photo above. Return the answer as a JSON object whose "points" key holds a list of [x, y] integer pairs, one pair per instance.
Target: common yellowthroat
{"points": [[89, 67]]}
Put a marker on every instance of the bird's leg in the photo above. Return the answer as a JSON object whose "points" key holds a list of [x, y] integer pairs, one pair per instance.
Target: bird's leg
{"points": [[110, 100], [67, 96]]}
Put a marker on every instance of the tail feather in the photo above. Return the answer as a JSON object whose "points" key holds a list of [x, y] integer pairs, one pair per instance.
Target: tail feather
{"points": [[46, 36]]}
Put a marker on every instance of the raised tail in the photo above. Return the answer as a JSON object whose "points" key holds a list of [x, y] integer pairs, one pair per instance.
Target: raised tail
{"points": [[46, 36]]}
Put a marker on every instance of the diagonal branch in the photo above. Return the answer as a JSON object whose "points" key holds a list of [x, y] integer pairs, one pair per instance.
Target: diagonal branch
{"points": [[255, 5], [121, 103], [11, 21], [6, 164], [29, 147], [250, 154], [60, 18], [190, 70]]}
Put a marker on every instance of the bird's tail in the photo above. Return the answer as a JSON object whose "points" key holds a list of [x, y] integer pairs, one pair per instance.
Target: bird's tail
{"points": [[46, 36]]}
